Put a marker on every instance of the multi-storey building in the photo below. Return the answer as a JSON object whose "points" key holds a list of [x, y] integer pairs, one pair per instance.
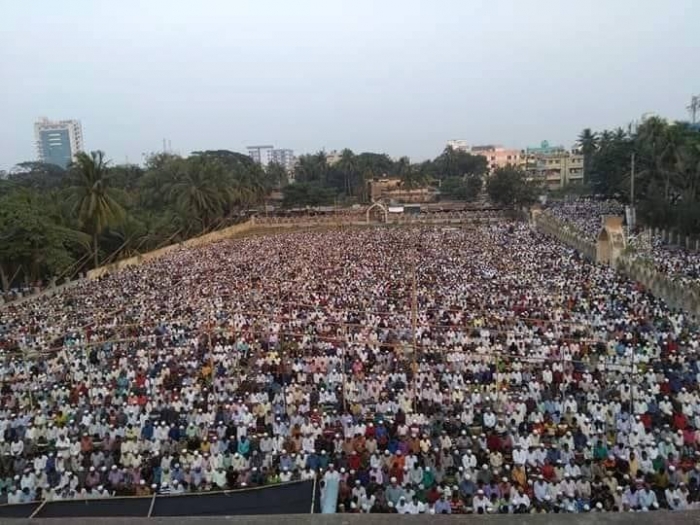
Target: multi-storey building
{"points": [[498, 156], [459, 145], [260, 154], [554, 165], [57, 142], [283, 157]]}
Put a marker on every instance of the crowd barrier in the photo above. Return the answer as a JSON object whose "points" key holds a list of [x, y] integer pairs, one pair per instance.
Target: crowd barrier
{"points": [[675, 294], [298, 497], [566, 234]]}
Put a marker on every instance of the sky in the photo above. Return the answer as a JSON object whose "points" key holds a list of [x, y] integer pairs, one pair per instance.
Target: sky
{"points": [[394, 76]]}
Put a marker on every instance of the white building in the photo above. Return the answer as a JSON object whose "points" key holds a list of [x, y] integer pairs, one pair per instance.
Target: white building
{"points": [[283, 157], [333, 156], [260, 154], [459, 145], [57, 142]]}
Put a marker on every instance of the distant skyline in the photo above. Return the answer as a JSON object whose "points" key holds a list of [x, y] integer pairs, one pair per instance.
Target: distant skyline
{"points": [[396, 76]]}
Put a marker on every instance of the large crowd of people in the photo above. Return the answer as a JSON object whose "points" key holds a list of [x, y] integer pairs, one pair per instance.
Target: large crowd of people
{"points": [[412, 370], [679, 263], [585, 215]]}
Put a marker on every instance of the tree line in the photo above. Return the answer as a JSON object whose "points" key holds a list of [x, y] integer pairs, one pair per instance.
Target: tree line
{"points": [[56, 222], [458, 174], [666, 170]]}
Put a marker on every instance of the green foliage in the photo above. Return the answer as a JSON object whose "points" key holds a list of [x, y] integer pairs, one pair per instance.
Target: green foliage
{"points": [[303, 194], [37, 175], [94, 202], [94, 213], [457, 163], [461, 188], [275, 176], [588, 142], [509, 186], [667, 181], [609, 164], [32, 245]]}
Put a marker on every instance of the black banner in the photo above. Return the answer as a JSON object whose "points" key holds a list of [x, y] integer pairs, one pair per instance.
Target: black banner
{"points": [[288, 498], [96, 508], [22, 510], [293, 498]]}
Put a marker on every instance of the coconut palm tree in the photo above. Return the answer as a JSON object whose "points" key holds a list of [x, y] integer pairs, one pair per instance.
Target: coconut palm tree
{"points": [[93, 201], [656, 143], [448, 163], [347, 165], [588, 142], [201, 191]]}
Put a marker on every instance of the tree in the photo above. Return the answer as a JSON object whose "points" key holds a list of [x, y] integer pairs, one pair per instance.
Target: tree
{"points": [[609, 165], [461, 188], [202, 190], [32, 244], [306, 194], [509, 186], [312, 168], [275, 176], [457, 163], [413, 178], [94, 202], [667, 181], [37, 175], [347, 167], [126, 176], [588, 142]]}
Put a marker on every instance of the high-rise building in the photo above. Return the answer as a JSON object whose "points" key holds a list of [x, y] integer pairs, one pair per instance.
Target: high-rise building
{"points": [[283, 157], [260, 154], [57, 142], [264, 155]]}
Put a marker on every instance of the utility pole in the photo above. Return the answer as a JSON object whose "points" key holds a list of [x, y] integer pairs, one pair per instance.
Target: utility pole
{"points": [[694, 109], [414, 323], [633, 215]]}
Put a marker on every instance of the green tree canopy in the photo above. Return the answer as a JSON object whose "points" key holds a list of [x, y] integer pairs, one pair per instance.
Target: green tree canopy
{"points": [[94, 202], [32, 244], [667, 170], [461, 188], [303, 194], [509, 186]]}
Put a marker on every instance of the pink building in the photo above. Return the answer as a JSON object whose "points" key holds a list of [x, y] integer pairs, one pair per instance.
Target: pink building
{"points": [[498, 156]]}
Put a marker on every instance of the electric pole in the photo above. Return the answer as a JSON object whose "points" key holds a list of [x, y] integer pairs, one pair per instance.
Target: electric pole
{"points": [[694, 109], [632, 179], [633, 216]]}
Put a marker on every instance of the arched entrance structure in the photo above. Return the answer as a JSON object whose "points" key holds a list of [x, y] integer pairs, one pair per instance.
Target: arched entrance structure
{"points": [[377, 212], [611, 240]]}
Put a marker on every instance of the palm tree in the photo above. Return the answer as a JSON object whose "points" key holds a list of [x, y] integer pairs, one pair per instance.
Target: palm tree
{"points": [[655, 142], [321, 167], [414, 177], [93, 201], [449, 163], [347, 165], [687, 168], [588, 142], [402, 167], [201, 191]]}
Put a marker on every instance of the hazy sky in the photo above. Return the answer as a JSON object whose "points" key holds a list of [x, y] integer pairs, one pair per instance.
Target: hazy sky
{"points": [[401, 76]]}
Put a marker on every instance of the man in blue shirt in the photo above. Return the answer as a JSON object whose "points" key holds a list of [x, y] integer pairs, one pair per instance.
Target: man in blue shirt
{"points": [[442, 506]]}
